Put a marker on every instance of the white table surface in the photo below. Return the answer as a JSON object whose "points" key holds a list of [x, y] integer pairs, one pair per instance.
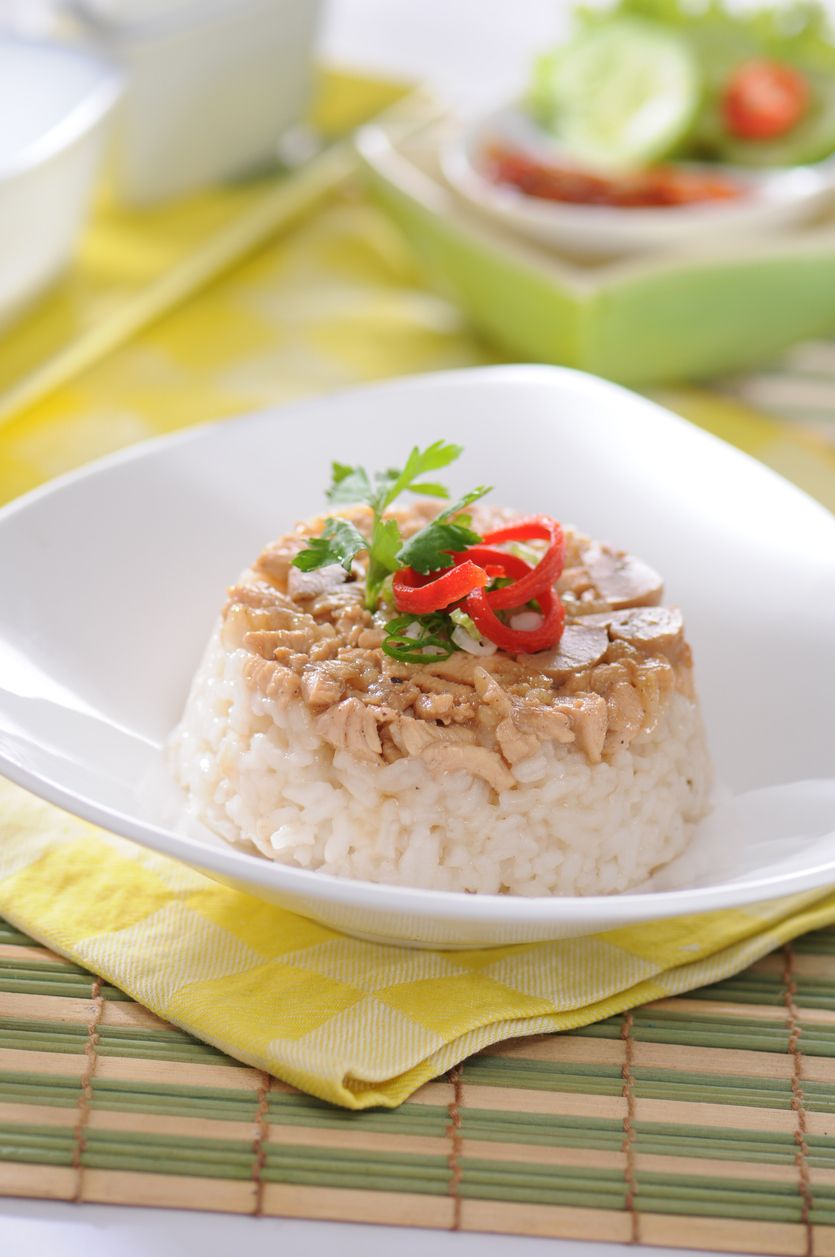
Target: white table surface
{"points": [[474, 52], [34, 1228]]}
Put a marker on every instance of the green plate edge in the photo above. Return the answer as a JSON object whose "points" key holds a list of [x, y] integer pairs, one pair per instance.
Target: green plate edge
{"points": [[641, 321]]}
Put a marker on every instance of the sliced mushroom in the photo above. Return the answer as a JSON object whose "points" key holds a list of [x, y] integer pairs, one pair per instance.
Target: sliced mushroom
{"points": [[574, 580], [622, 579], [658, 627], [582, 645]]}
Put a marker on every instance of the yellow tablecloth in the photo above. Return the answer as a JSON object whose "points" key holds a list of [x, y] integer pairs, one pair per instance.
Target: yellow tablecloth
{"points": [[355, 1023], [337, 301]]}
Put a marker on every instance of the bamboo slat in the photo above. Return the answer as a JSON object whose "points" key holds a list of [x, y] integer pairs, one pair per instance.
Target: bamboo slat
{"points": [[682, 1125]]}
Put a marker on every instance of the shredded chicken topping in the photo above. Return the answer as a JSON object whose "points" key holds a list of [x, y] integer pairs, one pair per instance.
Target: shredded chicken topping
{"points": [[309, 636]]}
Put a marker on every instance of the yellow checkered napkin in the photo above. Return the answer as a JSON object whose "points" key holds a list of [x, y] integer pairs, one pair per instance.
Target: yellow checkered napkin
{"points": [[355, 1023]]}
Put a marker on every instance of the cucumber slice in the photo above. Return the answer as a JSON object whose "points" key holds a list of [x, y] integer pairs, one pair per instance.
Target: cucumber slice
{"points": [[619, 95], [813, 139], [541, 97]]}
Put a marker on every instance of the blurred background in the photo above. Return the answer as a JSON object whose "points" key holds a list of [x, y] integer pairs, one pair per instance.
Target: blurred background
{"points": [[208, 207], [471, 48]]}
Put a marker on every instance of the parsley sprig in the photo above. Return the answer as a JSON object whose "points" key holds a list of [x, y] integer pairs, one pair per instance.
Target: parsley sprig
{"points": [[427, 551]]}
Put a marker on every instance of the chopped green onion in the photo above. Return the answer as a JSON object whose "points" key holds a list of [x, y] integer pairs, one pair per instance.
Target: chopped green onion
{"points": [[462, 620], [418, 639], [526, 553]]}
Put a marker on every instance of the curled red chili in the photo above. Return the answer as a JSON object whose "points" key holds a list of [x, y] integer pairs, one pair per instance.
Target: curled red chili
{"points": [[518, 641], [421, 595], [494, 561], [473, 570], [535, 579]]}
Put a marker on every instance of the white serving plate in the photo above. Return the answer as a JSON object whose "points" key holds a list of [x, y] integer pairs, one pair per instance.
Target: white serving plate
{"points": [[778, 199], [55, 103], [112, 576]]}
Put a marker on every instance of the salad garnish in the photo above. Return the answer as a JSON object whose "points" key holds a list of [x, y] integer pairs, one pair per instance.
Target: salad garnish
{"points": [[451, 588], [642, 82], [427, 551]]}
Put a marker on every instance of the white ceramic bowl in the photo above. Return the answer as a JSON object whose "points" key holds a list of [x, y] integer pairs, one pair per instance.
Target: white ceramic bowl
{"points": [[112, 577], [776, 199], [54, 106], [212, 85]]}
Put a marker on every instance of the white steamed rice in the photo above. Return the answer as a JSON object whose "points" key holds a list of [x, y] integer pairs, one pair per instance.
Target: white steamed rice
{"points": [[256, 772]]}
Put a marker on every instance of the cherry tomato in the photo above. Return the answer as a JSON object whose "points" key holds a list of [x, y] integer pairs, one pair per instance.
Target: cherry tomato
{"points": [[764, 99]]}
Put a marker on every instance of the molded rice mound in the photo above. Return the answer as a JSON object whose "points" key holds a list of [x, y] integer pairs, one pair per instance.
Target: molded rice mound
{"points": [[257, 771]]}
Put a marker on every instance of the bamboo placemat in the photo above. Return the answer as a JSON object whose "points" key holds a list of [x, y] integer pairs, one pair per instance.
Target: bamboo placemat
{"points": [[706, 1121]]}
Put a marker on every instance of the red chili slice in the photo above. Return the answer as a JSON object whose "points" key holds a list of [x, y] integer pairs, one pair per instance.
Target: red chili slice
{"points": [[416, 593], [474, 569], [529, 528], [517, 641], [536, 579], [491, 560]]}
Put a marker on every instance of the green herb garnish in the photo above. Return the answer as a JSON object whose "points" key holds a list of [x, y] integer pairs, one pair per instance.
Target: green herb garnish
{"points": [[430, 549], [719, 36], [340, 542], [427, 551]]}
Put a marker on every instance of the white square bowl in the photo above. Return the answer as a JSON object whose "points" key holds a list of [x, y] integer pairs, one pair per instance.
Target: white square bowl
{"points": [[111, 579]]}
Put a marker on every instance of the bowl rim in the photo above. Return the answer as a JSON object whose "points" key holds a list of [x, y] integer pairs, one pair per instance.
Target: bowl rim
{"points": [[243, 867], [97, 101]]}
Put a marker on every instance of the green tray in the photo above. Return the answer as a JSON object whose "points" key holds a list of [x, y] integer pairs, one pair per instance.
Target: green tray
{"points": [[642, 320]]}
